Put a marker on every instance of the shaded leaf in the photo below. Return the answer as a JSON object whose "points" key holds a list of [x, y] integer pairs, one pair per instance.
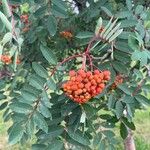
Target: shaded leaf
{"points": [[83, 35], [128, 124], [21, 107], [40, 70], [52, 25], [15, 134], [48, 55], [51, 84], [78, 136], [119, 109], [142, 99], [123, 131], [40, 121]]}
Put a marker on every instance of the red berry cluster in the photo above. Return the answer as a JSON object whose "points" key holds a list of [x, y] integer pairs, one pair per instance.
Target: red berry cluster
{"points": [[6, 59], [118, 80], [25, 20], [66, 34], [82, 85]]}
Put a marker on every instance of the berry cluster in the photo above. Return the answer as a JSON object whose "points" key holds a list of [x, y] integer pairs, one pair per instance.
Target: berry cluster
{"points": [[6, 59], [82, 85], [66, 34], [118, 80], [25, 20]]}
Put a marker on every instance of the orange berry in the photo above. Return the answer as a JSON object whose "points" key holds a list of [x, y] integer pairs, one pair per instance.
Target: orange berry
{"points": [[94, 92], [82, 73], [79, 78], [96, 77], [73, 78], [69, 91], [106, 73], [88, 74], [82, 97], [107, 77], [99, 90], [87, 85], [102, 85], [101, 75], [86, 80], [98, 80], [72, 73], [93, 82], [91, 77], [68, 87], [96, 71], [74, 87], [93, 88], [81, 85], [79, 91], [84, 90]]}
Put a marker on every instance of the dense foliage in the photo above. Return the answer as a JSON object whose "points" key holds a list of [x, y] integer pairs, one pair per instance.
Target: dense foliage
{"points": [[42, 40]]}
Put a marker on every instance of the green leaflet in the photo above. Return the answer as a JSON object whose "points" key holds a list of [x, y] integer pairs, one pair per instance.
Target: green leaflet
{"points": [[37, 82], [128, 124], [51, 84], [45, 99], [83, 35], [125, 89], [48, 55], [61, 4], [107, 11], [21, 107], [142, 99], [57, 12], [120, 67], [39, 147], [123, 131], [54, 131], [30, 127], [98, 26], [5, 21], [40, 121], [52, 25], [40, 70], [56, 145], [129, 4], [119, 109], [15, 134], [28, 96], [2, 97], [6, 8], [3, 105], [78, 136], [45, 111], [102, 145]]}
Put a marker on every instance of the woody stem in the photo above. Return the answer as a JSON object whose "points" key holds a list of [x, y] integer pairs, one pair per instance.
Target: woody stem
{"points": [[65, 60]]}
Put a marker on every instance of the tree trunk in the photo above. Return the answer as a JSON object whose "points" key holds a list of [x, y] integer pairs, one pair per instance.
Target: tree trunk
{"points": [[129, 141]]}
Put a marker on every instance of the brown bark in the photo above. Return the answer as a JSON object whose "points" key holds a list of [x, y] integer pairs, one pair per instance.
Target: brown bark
{"points": [[129, 141]]}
